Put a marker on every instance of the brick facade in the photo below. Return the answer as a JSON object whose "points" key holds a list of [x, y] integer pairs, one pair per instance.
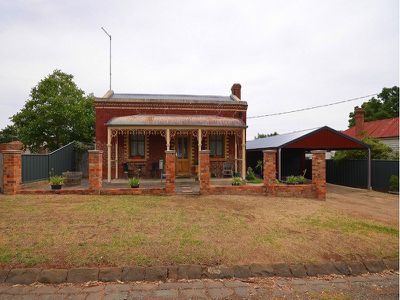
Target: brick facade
{"points": [[95, 169], [11, 171], [204, 171], [269, 167], [170, 171], [319, 173], [156, 145]]}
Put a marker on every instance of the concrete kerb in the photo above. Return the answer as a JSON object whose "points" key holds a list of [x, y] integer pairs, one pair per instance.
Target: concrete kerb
{"points": [[163, 273]]}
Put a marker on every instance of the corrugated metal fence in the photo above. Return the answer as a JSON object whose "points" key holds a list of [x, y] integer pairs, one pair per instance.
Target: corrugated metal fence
{"points": [[41, 166], [354, 173]]}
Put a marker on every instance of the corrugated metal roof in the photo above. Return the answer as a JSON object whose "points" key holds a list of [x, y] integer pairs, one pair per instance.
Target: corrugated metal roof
{"points": [[378, 129], [276, 141], [176, 120], [121, 97], [319, 138]]}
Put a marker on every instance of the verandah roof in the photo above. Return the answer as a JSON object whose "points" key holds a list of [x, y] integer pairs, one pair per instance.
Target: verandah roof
{"points": [[176, 121]]}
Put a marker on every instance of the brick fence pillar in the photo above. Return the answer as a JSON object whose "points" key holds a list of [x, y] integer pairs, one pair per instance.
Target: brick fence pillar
{"points": [[95, 169], [319, 173], [269, 167], [170, 171], [11, 171], [204, 170]]}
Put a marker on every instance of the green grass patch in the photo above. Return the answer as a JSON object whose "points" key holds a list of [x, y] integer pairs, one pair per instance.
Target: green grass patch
{"points": [[348, 225]]}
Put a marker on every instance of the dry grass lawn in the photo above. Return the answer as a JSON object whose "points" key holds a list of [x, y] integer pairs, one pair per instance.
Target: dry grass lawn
{"points": [[70, 230]]}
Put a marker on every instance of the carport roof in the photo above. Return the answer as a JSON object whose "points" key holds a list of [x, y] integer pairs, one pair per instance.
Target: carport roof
{"points": [[323, 138]]}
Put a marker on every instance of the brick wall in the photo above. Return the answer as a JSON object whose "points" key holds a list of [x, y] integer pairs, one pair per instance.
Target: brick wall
{"points": [[269, 167], [11, 171], [95, 169], [170, 171], [319, 173], [204, 171]]}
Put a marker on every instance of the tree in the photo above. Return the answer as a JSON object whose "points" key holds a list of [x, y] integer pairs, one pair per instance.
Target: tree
{"points": [[58, 112], [264, 135], [379, 150], [8, 134], [384, 106]]}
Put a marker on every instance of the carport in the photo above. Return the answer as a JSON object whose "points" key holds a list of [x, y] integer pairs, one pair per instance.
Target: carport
{"points": [[293, 147]]}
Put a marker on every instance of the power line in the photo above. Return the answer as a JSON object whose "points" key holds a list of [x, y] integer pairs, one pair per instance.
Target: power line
{"points": [[312, 107]]}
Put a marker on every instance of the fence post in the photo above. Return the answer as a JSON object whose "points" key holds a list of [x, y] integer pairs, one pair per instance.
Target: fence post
{"points": [[95, 169], [170, 171], [204, 171], [11, 171], [319, 173]]}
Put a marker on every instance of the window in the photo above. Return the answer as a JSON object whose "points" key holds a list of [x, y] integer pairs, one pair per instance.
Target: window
{"points": [[216, 145], [136, 142]]}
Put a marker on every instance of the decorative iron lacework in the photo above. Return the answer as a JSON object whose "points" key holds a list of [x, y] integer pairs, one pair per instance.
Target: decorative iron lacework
{"points": [[176, 132], [115, 132]]}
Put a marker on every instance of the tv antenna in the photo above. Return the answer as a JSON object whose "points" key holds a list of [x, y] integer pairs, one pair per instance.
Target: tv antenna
{"points": [[109, 35]]}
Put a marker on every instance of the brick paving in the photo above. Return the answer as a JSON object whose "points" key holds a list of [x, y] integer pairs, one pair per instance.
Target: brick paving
{"points": [[368, 286]]}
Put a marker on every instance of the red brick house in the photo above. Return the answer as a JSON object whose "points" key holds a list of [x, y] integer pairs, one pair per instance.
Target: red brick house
{"points": [[135, 130]]}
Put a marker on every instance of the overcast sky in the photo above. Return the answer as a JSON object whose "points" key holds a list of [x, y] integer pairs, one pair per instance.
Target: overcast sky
{"points": [[286, 54]]}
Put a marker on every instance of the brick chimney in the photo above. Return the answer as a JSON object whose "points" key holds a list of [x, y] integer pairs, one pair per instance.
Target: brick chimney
{"points": [[359, 116], [236, 90]]}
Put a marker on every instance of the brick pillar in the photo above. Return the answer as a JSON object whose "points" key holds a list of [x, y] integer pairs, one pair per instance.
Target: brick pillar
{"points": [[95, 169], [319, 173], [269, 167], [204, 170], [170, 171], [11, 171]]}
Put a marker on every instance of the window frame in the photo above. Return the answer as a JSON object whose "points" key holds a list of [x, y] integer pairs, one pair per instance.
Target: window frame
{"points": [[222, 141], [130, 141]]}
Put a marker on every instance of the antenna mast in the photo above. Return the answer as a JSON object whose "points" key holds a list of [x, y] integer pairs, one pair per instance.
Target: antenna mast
{"points": [[109, 35]]}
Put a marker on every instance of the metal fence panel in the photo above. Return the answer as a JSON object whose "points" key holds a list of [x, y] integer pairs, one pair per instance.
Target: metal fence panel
{"points": [[34, 167], [41, 166], [354, 173], [62, 160], [381, 171]]}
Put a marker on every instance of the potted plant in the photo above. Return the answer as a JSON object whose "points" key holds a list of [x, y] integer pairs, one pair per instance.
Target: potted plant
{"points": [[56, 182], [134, 182]]}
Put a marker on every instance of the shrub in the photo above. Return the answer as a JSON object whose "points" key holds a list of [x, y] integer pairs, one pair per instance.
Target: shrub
{"points": [[394, 183], [260, 167], [295, 179], [237, 181], [133, 182], [56, 180], [250, 174]]}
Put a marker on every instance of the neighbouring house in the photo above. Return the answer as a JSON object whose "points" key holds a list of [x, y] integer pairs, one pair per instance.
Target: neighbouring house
{"points": [[385, 130], [135, 130]]}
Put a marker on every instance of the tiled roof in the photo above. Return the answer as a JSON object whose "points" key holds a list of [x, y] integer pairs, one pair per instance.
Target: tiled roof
{"points": [[176, 120], [378, 129]]}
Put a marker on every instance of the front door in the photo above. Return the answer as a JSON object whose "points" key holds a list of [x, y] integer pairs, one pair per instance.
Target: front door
{"points": [[182, 156]]}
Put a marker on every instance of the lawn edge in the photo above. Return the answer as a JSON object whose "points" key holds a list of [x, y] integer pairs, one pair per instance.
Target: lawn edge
{"points": [[163, 273]]}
